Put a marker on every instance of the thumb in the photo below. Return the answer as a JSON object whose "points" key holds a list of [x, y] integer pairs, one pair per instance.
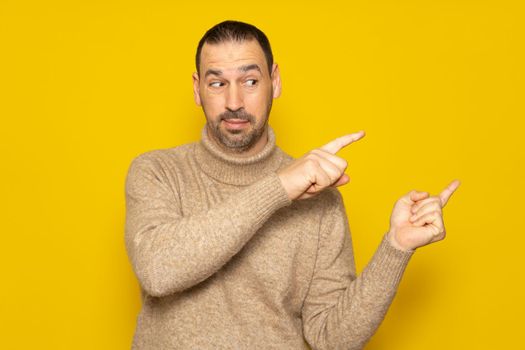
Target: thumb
{"points": [[415, 196], [344, 179]]}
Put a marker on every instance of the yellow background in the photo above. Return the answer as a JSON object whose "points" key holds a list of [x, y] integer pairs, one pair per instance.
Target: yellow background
{"points": [[437, 85]]}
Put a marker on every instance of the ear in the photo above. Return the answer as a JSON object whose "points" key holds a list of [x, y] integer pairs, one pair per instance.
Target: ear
{"points": [[196, 89], [276, 81]]}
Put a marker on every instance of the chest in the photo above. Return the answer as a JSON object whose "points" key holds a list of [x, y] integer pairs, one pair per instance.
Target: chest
{"points": [[276, 265]]}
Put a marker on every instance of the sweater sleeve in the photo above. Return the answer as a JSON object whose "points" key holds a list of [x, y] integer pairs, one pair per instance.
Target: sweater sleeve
{"points": [[170, 252], [342, 311]]}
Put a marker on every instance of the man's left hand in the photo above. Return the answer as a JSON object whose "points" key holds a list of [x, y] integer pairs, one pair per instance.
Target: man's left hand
{"points": [[417, 219]]}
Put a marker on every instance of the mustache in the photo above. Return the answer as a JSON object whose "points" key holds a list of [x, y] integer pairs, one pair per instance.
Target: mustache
{"points": [[239, 114]]}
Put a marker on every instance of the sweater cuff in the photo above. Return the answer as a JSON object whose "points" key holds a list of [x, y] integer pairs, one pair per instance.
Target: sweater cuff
{"points": [[389, 263], [265, 197]]}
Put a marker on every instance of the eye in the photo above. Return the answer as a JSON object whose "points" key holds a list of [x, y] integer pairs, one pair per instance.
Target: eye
{"points": [[253, 82], [215, 84]]}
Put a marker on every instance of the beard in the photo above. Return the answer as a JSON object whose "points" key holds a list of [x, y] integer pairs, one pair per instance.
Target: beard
{"points": [[239, 140]]}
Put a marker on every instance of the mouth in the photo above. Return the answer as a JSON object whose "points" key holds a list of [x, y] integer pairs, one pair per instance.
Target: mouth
{"points": [[236, 123]]}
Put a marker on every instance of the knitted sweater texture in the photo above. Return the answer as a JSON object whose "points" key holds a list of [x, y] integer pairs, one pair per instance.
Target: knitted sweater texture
{"points": [[225, 260]]}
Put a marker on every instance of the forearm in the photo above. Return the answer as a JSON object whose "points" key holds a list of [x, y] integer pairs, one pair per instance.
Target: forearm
{"points": [[367, 299], [171, 256], [349, 318]]}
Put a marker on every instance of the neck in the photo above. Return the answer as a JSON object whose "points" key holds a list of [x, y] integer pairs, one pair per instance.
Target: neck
{"points": [[235, 168]]}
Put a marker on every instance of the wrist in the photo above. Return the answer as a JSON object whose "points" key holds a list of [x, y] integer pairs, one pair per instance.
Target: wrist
{"points": [[391, 236], [285, 185]]}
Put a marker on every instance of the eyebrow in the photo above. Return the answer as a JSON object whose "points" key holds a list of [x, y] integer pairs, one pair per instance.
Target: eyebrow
{"points": [[244, 68]]}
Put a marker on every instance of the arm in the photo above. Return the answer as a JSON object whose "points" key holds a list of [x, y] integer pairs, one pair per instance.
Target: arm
{"points": [[342, 311], [170, 252]]}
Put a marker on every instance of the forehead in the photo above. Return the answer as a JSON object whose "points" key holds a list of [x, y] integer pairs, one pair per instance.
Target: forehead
{"points": [[229, 55]]}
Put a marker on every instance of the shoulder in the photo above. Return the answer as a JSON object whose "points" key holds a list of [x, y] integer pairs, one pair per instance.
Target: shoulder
{"points": [[330, 199], [285, 157], [158, 165], [162, 157]]}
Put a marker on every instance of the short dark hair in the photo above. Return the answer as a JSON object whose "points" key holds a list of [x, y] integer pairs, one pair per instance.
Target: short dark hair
{"points": [[235, 31]]}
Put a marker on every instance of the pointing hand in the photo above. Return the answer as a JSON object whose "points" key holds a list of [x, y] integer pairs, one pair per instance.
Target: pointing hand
{"points": [[417, 219], [318, 169]]}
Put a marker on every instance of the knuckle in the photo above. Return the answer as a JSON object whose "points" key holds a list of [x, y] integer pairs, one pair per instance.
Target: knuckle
{"points": [[436, 208], [311, 163], [310, 155]]}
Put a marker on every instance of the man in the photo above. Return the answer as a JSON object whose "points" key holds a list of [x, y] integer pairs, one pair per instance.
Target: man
{"points": [[237, 245]]}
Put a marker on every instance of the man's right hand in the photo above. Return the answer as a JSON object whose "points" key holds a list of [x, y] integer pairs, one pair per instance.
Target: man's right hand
{"points": [[318, 169]]}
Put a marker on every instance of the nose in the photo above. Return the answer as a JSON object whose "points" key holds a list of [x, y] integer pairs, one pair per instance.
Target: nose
{"points": [[234, 98]]}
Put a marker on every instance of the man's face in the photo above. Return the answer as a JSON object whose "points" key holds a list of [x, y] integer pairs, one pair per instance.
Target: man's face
{"points": [[236, 91]]}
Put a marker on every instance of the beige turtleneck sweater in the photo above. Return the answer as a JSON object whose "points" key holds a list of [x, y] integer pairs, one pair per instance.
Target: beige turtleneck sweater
{"points": [[225, 260]]}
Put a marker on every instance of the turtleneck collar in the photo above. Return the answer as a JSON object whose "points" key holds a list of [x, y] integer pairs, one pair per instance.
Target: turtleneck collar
{"points": [[234, 169]]}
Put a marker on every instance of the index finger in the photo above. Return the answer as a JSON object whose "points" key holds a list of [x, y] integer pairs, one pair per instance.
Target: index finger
{"points": [[335, 145], [447, 192]]}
